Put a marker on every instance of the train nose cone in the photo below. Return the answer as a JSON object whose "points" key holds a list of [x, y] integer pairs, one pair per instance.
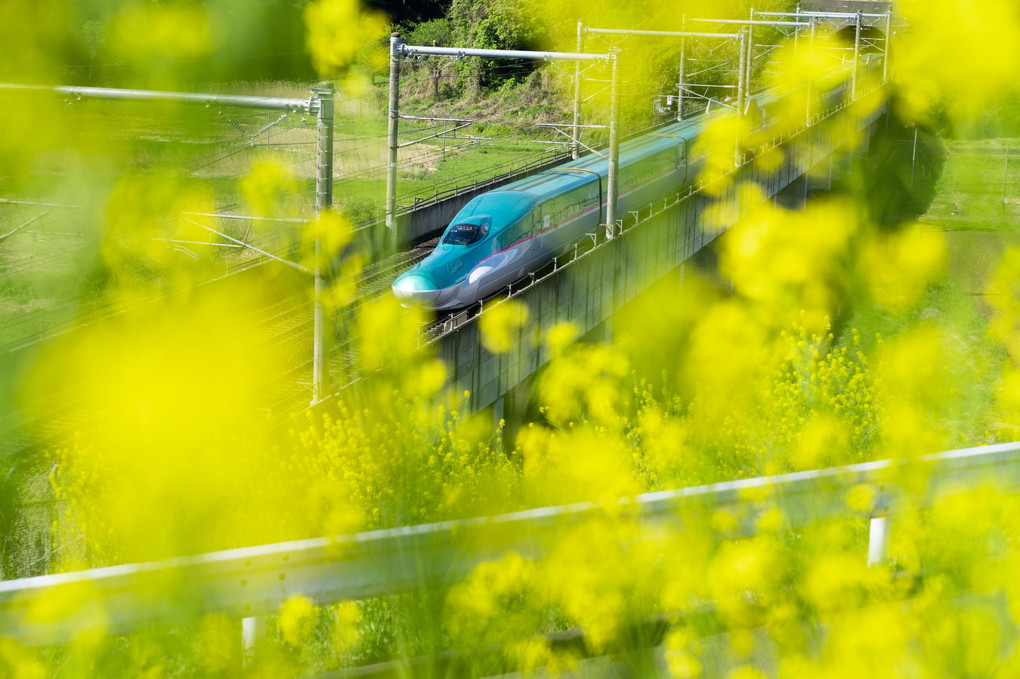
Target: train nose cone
{"points": [[415, 288]]}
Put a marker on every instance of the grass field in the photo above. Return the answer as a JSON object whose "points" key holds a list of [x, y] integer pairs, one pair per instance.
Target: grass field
{"points": [[53, 259], [978, 226], [977, 207], [978, 188]]}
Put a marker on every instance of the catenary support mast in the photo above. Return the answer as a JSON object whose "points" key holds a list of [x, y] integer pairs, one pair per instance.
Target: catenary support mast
{"points": [[398, 50]]}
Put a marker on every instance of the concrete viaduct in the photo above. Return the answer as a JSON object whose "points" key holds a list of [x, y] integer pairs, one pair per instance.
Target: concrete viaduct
{"points": [[598, 279]]}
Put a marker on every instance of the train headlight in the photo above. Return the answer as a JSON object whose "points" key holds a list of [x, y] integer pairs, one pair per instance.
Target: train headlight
{"points": [[477, 273]]}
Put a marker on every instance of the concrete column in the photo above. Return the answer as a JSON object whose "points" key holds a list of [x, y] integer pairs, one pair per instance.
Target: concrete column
{"points": [[392, 138], [888, 40], [323, 202], [575, 149], [750, 52], [741, 92], [683, 71], [807, 113], [857, 56], [796, 31], [614, 148], [498, 411], [808, 168], [913, 160], [742, 73]]}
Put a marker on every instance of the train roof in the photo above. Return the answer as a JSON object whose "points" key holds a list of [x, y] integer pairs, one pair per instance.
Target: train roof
{"points": [[511, 205], [576, 173]]}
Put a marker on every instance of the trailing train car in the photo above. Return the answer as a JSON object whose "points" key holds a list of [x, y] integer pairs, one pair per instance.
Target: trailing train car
{"points": [[500, 236]]}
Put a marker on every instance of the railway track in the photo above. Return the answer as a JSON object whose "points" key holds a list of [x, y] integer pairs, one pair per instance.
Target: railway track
{"points": [[291, 390], [284, 326]]}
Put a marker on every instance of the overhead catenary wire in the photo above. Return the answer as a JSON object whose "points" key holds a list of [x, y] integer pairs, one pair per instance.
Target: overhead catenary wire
{"points": [[514, 68]]}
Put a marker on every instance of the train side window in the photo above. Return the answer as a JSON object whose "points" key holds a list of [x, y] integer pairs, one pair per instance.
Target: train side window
{"points": [[554, 214], [662, 162], [681, 154], [504, 239], [514, 232]]}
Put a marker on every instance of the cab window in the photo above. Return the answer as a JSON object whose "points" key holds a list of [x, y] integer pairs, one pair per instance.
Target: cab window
{"points": [[465, 234]]}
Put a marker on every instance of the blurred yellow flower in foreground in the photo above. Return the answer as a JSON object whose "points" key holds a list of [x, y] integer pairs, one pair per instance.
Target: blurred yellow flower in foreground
{"points": [[337, 30], [501, 325], [145, 31], [898, 267], [956, 58], [297, 619], [265, 186]]}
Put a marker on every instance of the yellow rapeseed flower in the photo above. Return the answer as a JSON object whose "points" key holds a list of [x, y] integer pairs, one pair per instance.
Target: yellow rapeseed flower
{"points": [[501, 325], [297, 619]]}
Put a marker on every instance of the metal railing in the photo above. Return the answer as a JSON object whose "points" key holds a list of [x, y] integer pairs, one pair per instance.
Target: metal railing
{"points": [[255, 580]]}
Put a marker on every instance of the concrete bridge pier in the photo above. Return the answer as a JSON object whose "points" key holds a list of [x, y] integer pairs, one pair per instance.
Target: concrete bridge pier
{"points": [[793, 195], [819, 177], [499, 411], [601, 333], [510, 408]]}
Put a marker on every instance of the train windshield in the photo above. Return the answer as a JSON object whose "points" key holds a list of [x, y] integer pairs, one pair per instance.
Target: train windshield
{"points": [[465, 234]]}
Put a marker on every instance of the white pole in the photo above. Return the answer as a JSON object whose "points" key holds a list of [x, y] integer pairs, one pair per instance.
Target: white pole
{"points": [[878, 540], [252, 631]]}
